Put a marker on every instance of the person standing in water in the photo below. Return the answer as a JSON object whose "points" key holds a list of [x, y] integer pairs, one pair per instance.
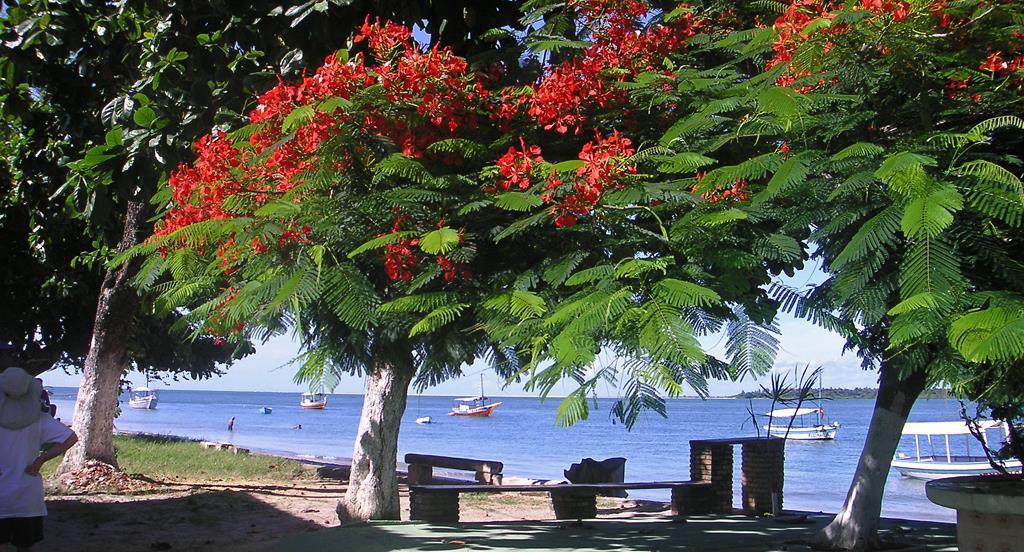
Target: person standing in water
{"points": [[231, 424]]}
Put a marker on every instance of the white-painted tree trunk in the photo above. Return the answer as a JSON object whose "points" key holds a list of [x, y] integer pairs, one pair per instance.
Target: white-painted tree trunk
{"points": [[855, 527], [107, 359], [373, 484]]}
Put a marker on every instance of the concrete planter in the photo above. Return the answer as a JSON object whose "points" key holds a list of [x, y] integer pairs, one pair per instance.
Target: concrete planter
{"points": [[989, 510]]}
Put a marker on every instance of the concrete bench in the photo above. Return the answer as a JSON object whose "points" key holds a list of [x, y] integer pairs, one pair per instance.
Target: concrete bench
{"points": [[440, 503], [421, 468]]}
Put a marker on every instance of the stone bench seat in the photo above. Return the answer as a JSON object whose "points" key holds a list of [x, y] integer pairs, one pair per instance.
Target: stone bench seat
{"points": [[421, 468], [440, 503]]}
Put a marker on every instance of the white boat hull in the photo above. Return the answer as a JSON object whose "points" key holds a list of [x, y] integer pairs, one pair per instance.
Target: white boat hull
{"points": [[816, 433], [424, 420], [937, 468], [145, 403]]}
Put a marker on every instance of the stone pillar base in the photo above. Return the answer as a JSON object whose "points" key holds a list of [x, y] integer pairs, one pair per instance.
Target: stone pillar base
{"points": [[434, 507], [574, 504]]}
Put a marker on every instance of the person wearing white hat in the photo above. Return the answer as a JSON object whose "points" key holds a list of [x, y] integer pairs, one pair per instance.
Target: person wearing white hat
{"points": [[24, 430]]}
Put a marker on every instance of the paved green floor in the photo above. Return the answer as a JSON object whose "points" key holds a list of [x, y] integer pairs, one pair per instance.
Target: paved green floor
{"points": [[704, 533]]}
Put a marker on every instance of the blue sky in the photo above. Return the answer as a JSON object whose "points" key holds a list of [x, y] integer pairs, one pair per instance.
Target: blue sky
{"points": [[801, 343]]}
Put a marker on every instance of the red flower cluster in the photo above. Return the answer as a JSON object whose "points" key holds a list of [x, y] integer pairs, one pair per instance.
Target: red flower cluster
{"points": [[515, 166], [385, 39], [955, 86], [198, 192], [735, 192], [450, 270], [899, 10], [399, 259], [623, 46], [605, 165]]}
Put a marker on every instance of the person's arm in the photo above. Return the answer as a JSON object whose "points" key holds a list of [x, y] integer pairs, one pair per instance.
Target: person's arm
{"points": [[51, 453]]}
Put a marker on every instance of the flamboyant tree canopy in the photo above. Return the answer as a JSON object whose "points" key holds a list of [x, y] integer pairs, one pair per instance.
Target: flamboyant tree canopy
{"points": [[627, 180], [402, 198]]}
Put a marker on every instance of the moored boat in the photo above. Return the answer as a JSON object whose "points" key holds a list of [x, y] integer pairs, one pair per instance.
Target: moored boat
{"points": [[424, 420], [474, 406], [802, 428], [313, 401], [928, 465], [142, 398], [266, 410]]}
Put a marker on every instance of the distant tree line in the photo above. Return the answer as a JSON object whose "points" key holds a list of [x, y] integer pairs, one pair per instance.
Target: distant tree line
{"points": [[836, 393]]}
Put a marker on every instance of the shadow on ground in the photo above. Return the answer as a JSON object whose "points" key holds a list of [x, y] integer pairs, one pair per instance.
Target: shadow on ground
{"points": [[204, 520], [697, 533]]}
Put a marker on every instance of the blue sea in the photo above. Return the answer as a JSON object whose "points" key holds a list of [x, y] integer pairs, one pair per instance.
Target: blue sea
{"points": [[524, 436]]}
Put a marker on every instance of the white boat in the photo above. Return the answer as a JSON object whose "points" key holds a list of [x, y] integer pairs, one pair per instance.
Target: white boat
{"points": [[424, 420], [313, 401], [143, 398], [929, 465], [803, 428]]}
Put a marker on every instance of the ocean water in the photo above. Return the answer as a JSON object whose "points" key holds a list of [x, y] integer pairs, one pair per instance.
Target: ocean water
{"points": [[524, 436]]}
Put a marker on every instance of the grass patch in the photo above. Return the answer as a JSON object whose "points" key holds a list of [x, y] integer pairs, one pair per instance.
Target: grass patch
{"points": [[171, 458], [507, 499]]}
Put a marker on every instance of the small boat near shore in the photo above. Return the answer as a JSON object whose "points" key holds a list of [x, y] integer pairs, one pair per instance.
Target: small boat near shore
{"points": [[313, 401], [266, 410], [424, 420], [142, 398], [930, 465], [802, 428]]}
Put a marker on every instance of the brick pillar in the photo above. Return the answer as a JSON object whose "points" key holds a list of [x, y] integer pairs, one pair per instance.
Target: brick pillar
{"points": [[692, 498], [763, 469], [712, 462], [433, 507]]}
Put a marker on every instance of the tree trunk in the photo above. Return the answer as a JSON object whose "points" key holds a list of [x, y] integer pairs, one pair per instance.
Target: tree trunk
{"points": [[373, 484], [107, 359], [855, 527]]}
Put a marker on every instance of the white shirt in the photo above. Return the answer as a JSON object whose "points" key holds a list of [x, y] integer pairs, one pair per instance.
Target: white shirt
{"points": [[21, 494]]}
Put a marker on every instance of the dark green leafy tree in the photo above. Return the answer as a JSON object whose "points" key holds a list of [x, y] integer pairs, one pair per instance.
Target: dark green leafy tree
{"points": [[898, 132], [100, 102]]}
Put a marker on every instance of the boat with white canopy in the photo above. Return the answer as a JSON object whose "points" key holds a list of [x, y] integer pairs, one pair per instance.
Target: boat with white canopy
{"points": [[313, 401], [142, 398], [927, 464], [474, 406], [795, 424]]}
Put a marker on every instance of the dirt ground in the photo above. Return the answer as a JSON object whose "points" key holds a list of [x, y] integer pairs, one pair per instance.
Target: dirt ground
{"points": [[248, 516]]}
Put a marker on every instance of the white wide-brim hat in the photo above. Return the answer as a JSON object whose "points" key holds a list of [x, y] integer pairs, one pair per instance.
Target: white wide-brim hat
{"points": [[20, 393]]}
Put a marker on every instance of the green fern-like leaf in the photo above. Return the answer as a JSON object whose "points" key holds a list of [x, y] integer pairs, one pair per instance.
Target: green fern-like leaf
{"points": [[517, 201], [989, 335], [422, 302], [927, 216], [987, 170], [751, 348], [860, 149], [402, 167], [877, 234], [682, 294], [437, 318]]}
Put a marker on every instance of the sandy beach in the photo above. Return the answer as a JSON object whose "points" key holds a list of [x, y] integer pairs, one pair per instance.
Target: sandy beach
{"points": [[249, 515]]}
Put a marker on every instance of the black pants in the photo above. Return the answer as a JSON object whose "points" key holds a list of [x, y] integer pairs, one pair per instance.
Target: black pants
{"points": [[21, 532]]}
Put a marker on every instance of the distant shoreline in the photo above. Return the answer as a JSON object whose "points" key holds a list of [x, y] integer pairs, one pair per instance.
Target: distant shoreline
{"points": [[841, 393], [828, 393]]}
